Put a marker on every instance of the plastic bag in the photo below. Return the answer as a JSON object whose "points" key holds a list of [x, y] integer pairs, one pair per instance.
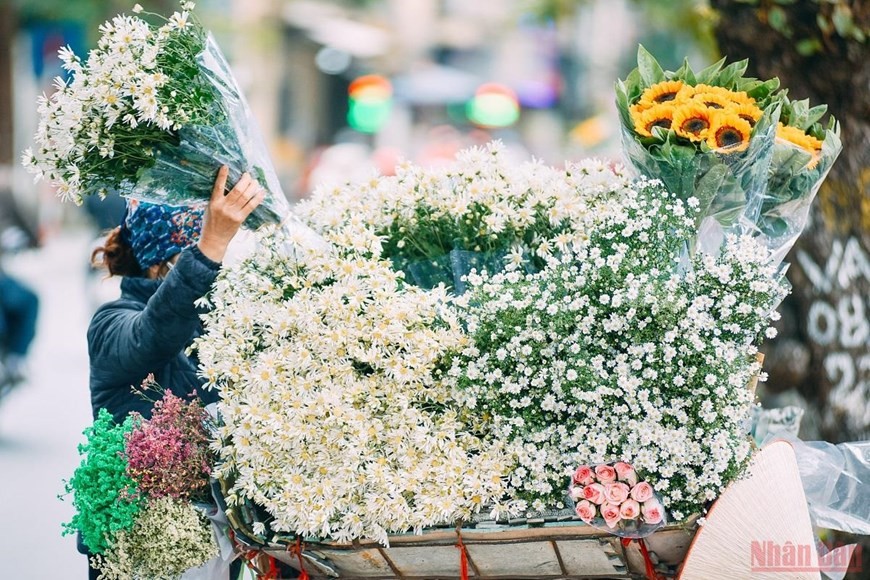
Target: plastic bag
{"points": [[836, 481], [780, 421]]}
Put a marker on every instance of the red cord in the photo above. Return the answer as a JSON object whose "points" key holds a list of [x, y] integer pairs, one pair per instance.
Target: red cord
{"points": [[463, 560], [651, 573], [297, 549]]}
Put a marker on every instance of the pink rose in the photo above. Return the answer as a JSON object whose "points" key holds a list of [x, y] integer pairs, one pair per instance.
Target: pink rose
{"points": [[629, 510], [576, 492], [583, 475], [616, 492], [642, 492], [585, 510], [652, 512], [594, 493], [625, 472], [605, 473], [610, 513]]}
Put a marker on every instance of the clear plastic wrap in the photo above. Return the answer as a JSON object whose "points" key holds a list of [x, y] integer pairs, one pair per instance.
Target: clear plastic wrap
{"points": [[795, 178], [184, 173], [728, 184], [612, 499], [451, 269], [219, 566], [769, 422], [836, 481]]}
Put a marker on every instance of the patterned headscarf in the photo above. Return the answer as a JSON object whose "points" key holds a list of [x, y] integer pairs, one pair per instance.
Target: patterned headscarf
{"points": [[158, 232]]}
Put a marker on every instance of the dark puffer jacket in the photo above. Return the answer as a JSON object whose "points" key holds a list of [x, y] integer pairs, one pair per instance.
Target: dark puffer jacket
{"points": [[147, 330]]}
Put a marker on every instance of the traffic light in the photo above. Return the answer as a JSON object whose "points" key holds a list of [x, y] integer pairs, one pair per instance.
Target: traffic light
{"points": [[370, 99], [493, 106]]}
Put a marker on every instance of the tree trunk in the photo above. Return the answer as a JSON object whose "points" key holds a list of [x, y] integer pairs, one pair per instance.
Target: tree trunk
{"points": [[830, 263], [7, 30]]}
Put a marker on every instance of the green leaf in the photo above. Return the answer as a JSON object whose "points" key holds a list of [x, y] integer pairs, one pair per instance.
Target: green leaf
{"points": [[728, 76], [762, 91], [623, 103], [706, 75], [816, 113], [685, 73], [648, 67], [823, 23], [778, 20], [808, 46], [842, 18]]}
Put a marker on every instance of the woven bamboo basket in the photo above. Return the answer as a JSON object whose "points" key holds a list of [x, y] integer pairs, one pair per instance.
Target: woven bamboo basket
{"points": [[553, 545]]}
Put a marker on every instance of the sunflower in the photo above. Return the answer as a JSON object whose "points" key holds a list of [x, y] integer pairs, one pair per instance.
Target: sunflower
{"points": [[728, 133], [749, 113], [713, 100], [692, 121], [736, 97], [657, 116], [636, 110], [798, 137], [666, 91]]}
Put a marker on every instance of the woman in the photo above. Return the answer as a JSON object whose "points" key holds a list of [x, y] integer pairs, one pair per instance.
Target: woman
{"points": [[168, 257]]}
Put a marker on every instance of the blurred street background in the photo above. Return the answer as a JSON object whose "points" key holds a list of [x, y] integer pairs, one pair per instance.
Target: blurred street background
{"points": [[342, 89]]}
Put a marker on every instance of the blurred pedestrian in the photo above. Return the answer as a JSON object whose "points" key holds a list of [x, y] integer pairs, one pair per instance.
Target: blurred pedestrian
{"points": [[19, 304], [19, 307]]}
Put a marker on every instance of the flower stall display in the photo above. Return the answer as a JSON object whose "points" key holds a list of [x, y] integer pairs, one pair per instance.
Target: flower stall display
{"points": [[481, 212], [611, 497], [484, 347], [622, 352], [139, 490], [335, 417], [152, 112], [707, 135]]}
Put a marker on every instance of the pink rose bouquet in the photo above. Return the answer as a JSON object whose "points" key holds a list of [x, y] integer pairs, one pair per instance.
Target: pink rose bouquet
{"points": [[612, 498]]}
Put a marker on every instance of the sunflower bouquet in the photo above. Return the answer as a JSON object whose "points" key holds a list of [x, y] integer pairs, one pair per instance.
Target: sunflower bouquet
{"points": [[803, 153], [707, 135], [152, 112]]}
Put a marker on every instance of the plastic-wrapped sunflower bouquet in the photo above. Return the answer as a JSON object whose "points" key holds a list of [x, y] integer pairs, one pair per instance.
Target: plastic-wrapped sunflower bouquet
{"points": [[707, 134], [140, 492], [804, 151], [152, 112]]}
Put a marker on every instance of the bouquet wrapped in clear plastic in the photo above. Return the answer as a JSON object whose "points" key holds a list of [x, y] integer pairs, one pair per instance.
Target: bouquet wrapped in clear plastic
{"points": [[611, 497], [152, 113], [707, 135], [803, 153]]}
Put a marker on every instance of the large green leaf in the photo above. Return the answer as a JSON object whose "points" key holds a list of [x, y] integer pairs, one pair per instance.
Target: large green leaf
{"points": [[649, 68]]}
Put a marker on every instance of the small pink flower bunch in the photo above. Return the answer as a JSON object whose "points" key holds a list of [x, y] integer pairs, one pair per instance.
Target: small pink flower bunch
{"points": [[612, 493], [168, 454]]}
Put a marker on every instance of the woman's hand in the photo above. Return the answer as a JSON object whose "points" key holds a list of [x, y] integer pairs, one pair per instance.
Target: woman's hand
{"points": [[226, 212]]}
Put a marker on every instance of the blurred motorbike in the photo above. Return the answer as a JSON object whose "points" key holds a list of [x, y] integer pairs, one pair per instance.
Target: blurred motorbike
{"points": [[16, 235]]}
